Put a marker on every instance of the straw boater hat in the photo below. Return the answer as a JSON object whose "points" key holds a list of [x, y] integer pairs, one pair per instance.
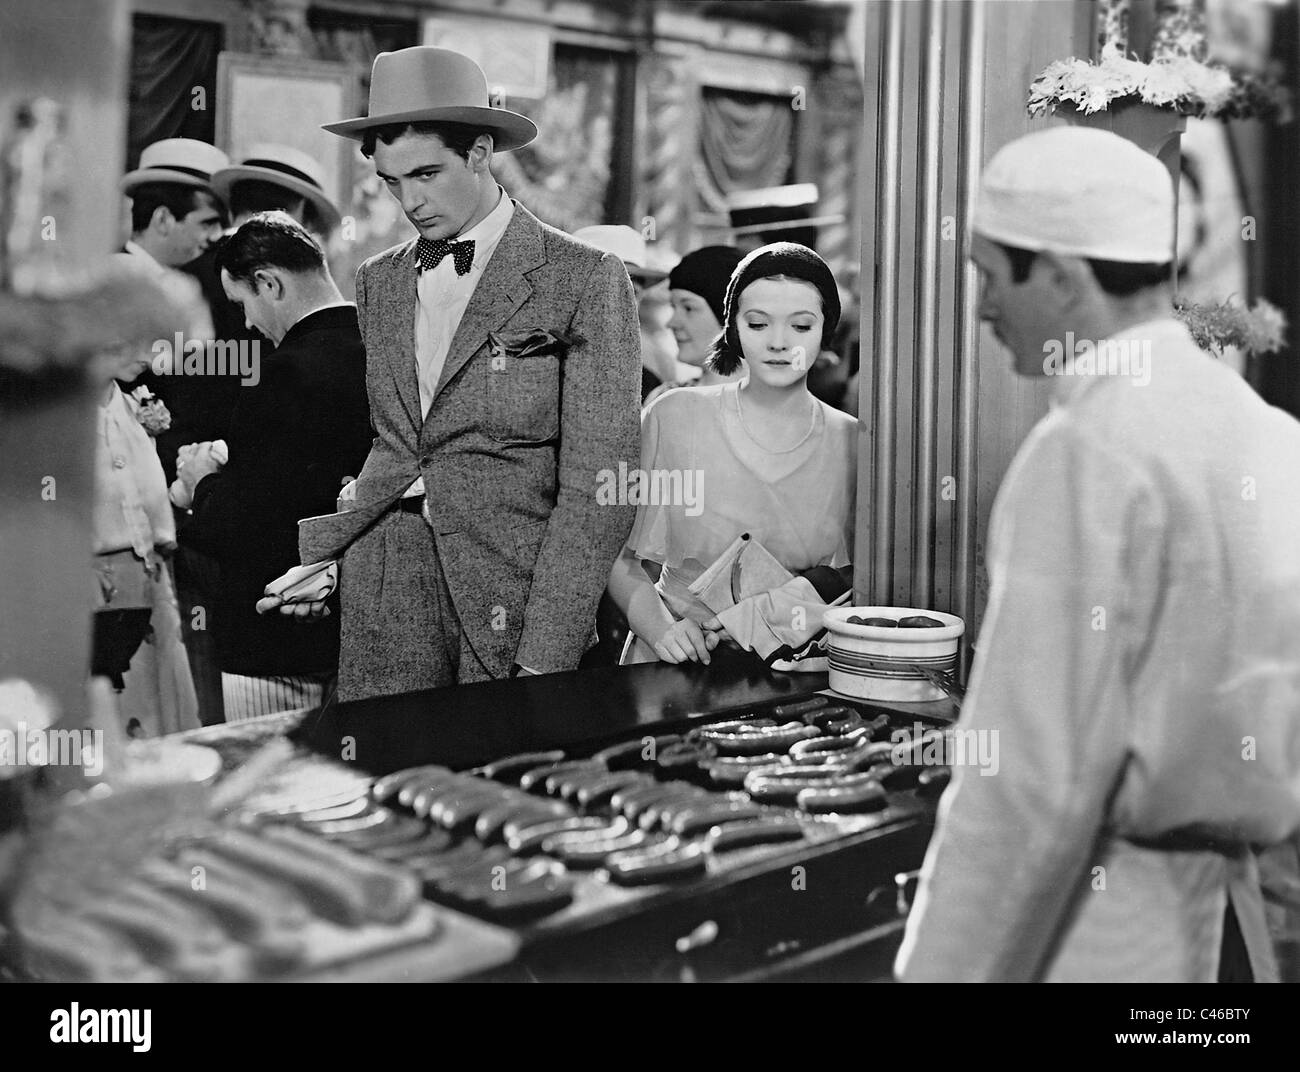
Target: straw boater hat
{"points": [[423, 84], [182, 161], [284, 166], [627, 245]]}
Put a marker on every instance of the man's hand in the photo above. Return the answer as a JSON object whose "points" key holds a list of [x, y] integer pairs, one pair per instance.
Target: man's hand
{"points": [[348, 496], [196, 463], [308, 611], [684, 641]]}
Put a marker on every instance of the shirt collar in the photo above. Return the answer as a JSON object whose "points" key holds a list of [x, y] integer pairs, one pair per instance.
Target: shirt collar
{"points": [[1143, 341], [137, 250], [318, 309], [488, 231]]}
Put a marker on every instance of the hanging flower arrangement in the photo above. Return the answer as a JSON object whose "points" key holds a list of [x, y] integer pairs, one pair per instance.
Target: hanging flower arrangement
{"points": [[1179, 82], [1259, 329]]}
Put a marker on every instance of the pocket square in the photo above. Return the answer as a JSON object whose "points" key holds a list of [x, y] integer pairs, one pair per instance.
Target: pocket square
{"points": [[528, 342]]}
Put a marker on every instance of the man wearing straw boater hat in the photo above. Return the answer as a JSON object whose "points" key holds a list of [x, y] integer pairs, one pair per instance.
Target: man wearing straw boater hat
{"points": [[502, 369], [274, 177], [175, 215], [1138, 667]]}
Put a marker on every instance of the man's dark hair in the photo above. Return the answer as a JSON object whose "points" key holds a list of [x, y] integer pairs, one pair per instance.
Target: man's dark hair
{"points": [[268, 240], [458, 137], [176, 198], [250, 196], [1117, 278]]}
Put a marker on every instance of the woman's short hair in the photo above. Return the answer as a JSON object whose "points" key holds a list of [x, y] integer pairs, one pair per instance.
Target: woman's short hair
{"points": [[788, 260]]}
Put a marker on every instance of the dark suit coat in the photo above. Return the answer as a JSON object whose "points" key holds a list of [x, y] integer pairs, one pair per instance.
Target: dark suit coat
{"points": [[510, 454], [293, 438]]}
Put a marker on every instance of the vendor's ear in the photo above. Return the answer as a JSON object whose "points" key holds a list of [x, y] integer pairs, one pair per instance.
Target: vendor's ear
{"points": [[1066, 278]]}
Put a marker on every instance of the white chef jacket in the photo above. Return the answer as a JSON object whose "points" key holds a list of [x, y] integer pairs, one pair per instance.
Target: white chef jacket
{"points": [[1143, 618]]}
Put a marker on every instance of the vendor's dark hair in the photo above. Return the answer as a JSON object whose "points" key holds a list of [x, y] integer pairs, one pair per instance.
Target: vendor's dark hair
{"points": [[268, 240], [458, 137], [177, 198], [789, 260], [1118, 278]]}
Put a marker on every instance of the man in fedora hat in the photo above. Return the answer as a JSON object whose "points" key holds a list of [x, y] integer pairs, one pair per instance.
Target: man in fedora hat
{"points": [[502, 371], [280, 178]]}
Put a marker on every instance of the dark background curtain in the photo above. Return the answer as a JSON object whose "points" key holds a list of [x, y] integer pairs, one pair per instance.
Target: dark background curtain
{"points": [[746, 141], [170, 59]]}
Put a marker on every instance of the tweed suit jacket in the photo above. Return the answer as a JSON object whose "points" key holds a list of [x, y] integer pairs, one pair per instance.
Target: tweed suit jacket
{"points": [[539, 394]]}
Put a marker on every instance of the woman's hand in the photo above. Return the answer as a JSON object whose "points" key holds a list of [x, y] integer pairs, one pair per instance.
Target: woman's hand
{"points": [[715, 633], [684, 641]]}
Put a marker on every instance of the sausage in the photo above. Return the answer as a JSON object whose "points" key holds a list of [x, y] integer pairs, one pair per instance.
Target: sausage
{"points": [[535, 780], [933, 781], [673, 759], [490, 824], [390, 894], [527, 835], [67, 949], [531, 888], [429, 782], [867, 796], [671, 859], [460, 812], [631, 802], [598, 793], [579, 853], [822, 749], [511, 767], [382, 789], [427, 798], [240, 912], [775, 739], [731, 770], [658, 812], [794, 710], [758, 831], [628, 754], [785, 787], [693, 820]]}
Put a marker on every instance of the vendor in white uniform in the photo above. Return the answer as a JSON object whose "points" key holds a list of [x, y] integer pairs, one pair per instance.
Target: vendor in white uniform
{"points": [[1139, 660]]}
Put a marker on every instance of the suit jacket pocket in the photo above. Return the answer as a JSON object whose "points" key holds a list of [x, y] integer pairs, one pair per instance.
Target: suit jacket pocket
{"points": [[521, 399]]}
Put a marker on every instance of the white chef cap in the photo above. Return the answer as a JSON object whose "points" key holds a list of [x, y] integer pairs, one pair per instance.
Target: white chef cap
{"points": [[1081, 192]]}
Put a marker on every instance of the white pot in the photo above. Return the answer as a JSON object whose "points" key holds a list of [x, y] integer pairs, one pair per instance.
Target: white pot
{"points": [[876, 662]]}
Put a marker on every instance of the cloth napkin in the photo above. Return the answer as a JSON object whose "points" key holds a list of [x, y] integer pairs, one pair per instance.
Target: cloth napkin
{"points": [[302, 584]]}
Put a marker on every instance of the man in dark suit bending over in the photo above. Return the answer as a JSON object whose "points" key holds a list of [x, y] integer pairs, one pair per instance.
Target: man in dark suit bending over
{"points": [[296, 435]]}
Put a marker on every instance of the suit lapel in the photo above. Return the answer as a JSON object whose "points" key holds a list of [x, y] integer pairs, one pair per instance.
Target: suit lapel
{"points": [[398, 297], [503, 289]]}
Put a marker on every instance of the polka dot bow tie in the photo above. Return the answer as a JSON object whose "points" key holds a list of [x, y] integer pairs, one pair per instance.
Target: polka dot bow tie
{"points": [[430, 254]]}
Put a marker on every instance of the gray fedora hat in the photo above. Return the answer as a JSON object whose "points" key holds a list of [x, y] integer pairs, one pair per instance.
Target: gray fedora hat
{"points": [[424, 84]]}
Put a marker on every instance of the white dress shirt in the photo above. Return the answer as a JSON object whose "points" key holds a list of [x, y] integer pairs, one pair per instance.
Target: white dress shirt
{"points": [[442, 297]]}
